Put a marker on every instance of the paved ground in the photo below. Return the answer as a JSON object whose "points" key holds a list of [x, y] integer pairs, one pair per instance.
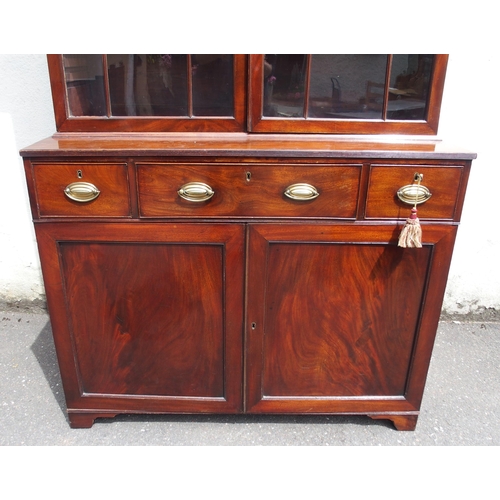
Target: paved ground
{"points": [[461, 405]]}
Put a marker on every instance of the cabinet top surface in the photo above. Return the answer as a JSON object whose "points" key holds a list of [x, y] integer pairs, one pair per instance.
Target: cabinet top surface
{"points": [[243, 145]]}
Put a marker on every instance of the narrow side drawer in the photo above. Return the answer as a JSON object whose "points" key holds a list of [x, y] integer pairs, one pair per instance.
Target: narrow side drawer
{"points": [[110, 179], [443, 183]]}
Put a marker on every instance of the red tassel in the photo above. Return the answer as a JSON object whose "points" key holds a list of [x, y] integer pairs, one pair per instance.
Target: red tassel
{"points": [[411, 235]]}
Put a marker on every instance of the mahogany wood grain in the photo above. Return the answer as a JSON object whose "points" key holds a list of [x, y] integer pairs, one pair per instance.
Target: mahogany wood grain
{"points": [[111, 179], [261, 124], [385, 180], [248, 302], [248, 190], [253, 147], [328, 316], [337, 317], [67, 123], [85, 420], [312, 346], [146, 316], [153, 329], [401, 422]]}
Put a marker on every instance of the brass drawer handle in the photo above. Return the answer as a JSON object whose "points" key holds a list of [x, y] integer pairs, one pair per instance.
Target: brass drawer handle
{"points": [[302, 192], [414, 194], [81, 191], [196, 191]]}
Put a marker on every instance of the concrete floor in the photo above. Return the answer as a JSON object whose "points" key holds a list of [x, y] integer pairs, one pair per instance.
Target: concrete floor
{"points": [[461, 405]]}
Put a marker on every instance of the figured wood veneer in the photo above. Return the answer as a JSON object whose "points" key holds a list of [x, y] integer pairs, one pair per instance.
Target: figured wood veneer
{"points": [[249, 302], [111, 180], [249, 190]]}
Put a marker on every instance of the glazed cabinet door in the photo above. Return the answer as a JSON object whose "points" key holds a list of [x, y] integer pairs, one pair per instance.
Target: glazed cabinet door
{"points": [[149, 92], [340, 319], [146, 318], [346, 93]]}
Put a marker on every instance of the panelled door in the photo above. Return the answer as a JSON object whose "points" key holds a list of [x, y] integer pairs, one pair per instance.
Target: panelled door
{"points": [[147, 317], [337, 314]]}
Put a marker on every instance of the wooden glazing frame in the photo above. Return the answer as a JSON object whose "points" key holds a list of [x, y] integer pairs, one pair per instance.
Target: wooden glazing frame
{"points": [[67, 123], [258, 123]]}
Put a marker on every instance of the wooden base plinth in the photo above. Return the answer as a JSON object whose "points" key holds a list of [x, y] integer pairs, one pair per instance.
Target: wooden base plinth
{"points": [[86, 420], [401, 422]]}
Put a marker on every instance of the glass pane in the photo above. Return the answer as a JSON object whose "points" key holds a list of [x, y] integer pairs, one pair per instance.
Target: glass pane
{"points": [[284, 81], [212, 84], [347, 86], [84, 84], [148, 84], [409, 87]]}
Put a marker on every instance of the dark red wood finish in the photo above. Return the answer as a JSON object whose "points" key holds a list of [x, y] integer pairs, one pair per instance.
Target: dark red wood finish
{"points": [[249, 301], [111, 179], [249, 190], [157, 304], [443, 183], [248, 106], [67, 123], [146, 318], [258, 123], [337, 315]]}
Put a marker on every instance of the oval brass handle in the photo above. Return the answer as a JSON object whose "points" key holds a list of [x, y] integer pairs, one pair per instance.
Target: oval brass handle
{"points": [[414, 194], [81, 191], [196, 191], [302, 192]]}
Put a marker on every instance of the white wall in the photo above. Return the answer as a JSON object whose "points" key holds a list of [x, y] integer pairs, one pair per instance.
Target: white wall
{"points": [[26, 116], [468, 119]]}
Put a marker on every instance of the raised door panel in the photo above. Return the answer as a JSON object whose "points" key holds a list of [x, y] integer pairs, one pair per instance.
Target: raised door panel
{"points": [[152, 321], [337, 315]]}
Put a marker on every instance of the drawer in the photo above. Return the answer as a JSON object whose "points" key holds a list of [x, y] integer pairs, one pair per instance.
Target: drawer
{"points": [[249, 190], [110, 179], [443, 183]]}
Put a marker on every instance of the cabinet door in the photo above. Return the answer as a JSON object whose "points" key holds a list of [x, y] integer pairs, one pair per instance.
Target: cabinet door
{"points": [[146, 318], [340, 319], [346, 93], [149, 92]]}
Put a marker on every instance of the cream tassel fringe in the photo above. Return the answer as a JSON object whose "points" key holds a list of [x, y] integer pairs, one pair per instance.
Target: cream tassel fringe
{"points": [[411, 235]]}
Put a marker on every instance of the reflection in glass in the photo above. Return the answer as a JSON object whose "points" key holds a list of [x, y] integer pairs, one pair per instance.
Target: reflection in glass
{"points": [[85, 84], [148, 84], [284, 85], [212, 76], [347, 86], [409, 87]]}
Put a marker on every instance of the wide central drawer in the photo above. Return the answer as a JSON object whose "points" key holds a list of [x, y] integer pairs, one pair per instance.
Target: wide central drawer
{"points": [[201, 190]]}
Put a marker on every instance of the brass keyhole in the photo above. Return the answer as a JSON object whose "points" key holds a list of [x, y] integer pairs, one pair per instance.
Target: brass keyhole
{"points": [[79, 174], [249, 176]]}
